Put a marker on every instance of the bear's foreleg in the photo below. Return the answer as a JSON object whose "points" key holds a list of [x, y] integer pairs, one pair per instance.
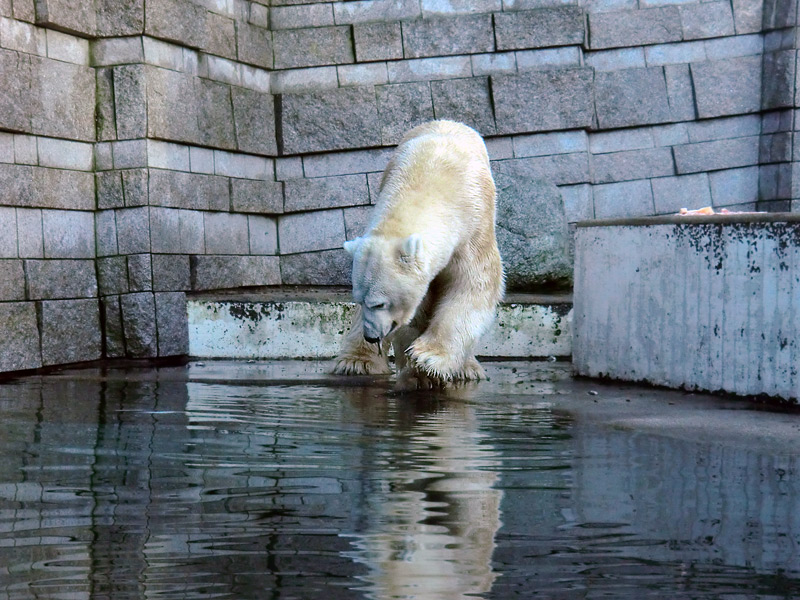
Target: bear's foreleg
{"points": [[359, 357]]}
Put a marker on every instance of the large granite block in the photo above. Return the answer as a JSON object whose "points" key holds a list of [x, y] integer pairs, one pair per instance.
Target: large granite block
{"points": [[720, 154], [169, 93], [632, 164], [140, 273], [214, 114], [465, 34], [62, 99], [631, 97], [670, 194], [556, 26], [109, 190], [378, 41], [778, 79], [254, 117], [77, 16], [29, 233], [119, 17], [327, 225], [192, 25], [177, 231], [330, 120], [312, 47], [171, 273], [133, 230], [15, 101], [263, 234], [130, 101], [226, 233], [625, 199], [637, 27], [254, 45], [707, 20], [68, 234], [19, 344], [560, 169], [12, 280], [172, 324], [727, 87], [195, 191], [465, 100], [135, 187], [70, 331], [112, 275], [139, 324], [55, 279], [329, 267], [219, 272], [8, 233], [325, 192], [253, 196], [564, 100], [113, 333], [402, 106], [680, 92]]}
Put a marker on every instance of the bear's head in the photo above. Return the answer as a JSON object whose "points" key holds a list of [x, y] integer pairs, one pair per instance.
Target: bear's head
{"points": [[389, 281]]}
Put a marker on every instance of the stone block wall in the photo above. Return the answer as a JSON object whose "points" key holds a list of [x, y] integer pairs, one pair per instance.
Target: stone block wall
{"points": [[150, 148]]}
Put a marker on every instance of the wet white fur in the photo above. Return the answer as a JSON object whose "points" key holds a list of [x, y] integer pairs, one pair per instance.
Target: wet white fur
{"points": [[428, 262]]}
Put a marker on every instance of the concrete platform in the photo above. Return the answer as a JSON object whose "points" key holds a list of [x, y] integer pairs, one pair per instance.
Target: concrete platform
{"points": [[310, 323]]}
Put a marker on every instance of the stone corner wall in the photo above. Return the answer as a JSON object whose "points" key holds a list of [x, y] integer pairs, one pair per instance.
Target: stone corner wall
{"points": [[150, 148]]}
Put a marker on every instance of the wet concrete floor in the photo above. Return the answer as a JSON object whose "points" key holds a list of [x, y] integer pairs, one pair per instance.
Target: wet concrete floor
{"points": [[224, 479]]}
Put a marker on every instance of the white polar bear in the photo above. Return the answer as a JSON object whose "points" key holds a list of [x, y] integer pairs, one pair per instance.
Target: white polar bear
{"points": [[427, 274]]}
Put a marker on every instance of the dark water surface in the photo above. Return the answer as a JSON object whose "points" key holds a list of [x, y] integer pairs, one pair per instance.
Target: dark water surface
{"points": [[155, 484]]}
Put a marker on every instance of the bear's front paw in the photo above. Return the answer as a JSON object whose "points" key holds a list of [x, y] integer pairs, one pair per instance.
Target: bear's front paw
{"points": [[409, 380], [361, 365], [472, 370], [432, 360]]}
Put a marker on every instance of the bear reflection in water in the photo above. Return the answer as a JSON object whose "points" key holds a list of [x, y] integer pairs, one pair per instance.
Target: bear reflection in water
{"points": [[427, 275], [433, 511]]}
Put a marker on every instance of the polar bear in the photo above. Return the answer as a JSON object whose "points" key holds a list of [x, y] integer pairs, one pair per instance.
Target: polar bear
{"points": [[427, 275]]}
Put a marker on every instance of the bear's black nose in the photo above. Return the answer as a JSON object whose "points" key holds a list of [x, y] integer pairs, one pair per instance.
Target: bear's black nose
{"points": [[372, 340]]}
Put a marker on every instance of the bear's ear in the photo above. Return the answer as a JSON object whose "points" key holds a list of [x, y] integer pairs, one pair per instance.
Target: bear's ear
{"points": [[411, 250], [352, 245]]}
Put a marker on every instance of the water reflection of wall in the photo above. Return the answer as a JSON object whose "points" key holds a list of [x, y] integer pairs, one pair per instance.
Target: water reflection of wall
{"points": [[430, 519]]}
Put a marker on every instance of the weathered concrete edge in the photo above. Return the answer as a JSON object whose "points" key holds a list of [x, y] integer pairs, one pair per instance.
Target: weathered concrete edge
{"points": [[694, 220]]}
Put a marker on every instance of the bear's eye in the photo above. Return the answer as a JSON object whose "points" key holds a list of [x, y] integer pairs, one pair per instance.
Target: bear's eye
{"points": [[378, 306]]}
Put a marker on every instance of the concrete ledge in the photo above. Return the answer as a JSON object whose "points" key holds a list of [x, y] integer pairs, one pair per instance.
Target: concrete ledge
{"points": [[310, 323]]}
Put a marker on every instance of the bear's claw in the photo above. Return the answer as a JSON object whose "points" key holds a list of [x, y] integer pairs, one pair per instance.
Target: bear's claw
{"points": [[348, 365]]}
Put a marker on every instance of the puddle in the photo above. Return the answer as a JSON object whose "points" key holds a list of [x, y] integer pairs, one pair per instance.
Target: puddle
{"points": [[152, 483]]}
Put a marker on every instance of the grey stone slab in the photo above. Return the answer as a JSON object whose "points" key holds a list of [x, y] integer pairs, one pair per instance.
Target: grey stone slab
{"points": [[56, 188], [325, 192], [632, 164], [140, 273], [747, 16], [254, 117], [465, 100], [62, 99], [429, 69], [176, 20], [76, 16], [70, 331], [119, 17], [106, 112], [169, 93], [226, 233], [68, 234], [330, 120], [15, 104], [19, 345], [139, 324], [312, 47], [724, 128], [680, 92], [12, 280], [727, 87], [171, 272], [135, 187], [638, 27], [112, 275], [263, 234], [8, 233], [24, 10], [778, 79], [254, 45], [105, 223], [113, 334], [356, 220], [109, 190], [670, 194], [564, 100], [29, 233], [707, 20], [329, 267], [133, 230], [214, 114], [578, 202], [172, 324], [296, 17], [557, 26], [219, 35], [775, 147], [327, 225], [464, 34], [219, 272], [130, 101], [402, 106], [532, 233], [625, 199], [55, 279], [721, 154], [375, 10], [253, 196], [195, 191], [631, 97], [560, 169], [378, 41], [17, 189], [165, 230], [779, 14]]}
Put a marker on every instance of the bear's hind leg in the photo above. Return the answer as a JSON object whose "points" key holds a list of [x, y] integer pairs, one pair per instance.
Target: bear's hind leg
{"points": [[359, 357]]}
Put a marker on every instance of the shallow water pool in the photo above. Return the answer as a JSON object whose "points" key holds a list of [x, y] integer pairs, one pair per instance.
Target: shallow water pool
{"points": [[232, 480]]}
